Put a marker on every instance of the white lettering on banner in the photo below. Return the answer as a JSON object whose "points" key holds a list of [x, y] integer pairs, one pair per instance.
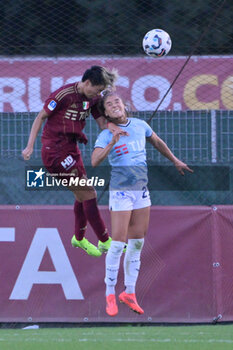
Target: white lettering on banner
{"points": [[46, 238], [123, 81], [34, 95], [7, 234], [73, 79], [34, 92], [150, 81], [13, 97], [56, 83]]}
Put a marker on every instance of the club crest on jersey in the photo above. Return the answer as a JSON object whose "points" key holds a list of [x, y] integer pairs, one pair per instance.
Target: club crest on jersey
{"points": [[85, 105], [52, 105]]}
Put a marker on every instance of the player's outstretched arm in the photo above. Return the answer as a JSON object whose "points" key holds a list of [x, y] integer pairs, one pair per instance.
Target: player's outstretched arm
{"points": [[162, 147], [36, 126], [99, 154]]}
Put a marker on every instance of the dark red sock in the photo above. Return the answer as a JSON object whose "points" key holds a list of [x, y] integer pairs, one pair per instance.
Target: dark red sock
{"points": [[80, 221], [95, 220]]}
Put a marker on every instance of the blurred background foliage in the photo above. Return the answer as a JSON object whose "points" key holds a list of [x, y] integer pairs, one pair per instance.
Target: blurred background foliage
{"points": [[87, 27]]}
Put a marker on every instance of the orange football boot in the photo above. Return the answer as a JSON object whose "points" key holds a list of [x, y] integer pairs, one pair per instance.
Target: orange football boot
{"points": [[111, 305], [131, 301]]}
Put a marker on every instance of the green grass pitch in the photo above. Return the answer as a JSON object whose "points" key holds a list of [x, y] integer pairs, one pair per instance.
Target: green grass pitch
{"points": [[196, 337]]}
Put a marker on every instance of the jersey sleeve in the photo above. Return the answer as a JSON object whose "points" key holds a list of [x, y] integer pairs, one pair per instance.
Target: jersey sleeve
{"points": [[103, 139], [51, 105], [148, 129], [58, 99]]}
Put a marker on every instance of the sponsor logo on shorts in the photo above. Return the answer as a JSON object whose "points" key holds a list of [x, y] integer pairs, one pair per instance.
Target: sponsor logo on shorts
{"points": [[68, 162], [120, 195], [52, 105]]}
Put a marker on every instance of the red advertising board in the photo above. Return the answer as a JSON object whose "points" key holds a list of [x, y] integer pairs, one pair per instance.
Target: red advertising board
{"points": [[186, 271], [205, 83]]}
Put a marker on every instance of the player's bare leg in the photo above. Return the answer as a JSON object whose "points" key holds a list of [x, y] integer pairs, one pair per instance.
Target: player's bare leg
{"points": [[120, 221], [139, 222]]}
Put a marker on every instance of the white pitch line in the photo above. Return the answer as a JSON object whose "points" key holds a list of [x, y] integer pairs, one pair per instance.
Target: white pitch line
{"points": [[117, 340]]}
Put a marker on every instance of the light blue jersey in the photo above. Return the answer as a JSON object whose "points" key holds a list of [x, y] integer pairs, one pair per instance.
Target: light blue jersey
{"points": [[128, 155]]}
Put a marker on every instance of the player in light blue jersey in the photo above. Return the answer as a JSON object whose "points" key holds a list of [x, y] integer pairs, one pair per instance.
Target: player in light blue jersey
{"points": [[129, 199], [128, 156]]}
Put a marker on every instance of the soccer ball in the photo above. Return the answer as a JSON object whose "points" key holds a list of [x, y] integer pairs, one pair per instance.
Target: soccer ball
{"points": [[157, 43]]}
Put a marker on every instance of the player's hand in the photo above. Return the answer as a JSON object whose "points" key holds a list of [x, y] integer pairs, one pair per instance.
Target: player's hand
{"points": [[26, 153], [181, 167], [115, 138], [82, 138], [115, 130]]}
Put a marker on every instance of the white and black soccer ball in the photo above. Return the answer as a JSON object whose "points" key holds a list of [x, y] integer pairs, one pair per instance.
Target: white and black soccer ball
{"points": [[157, 43]]}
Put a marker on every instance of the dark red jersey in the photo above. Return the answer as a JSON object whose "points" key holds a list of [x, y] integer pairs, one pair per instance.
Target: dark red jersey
{"points": [[67, 110]]}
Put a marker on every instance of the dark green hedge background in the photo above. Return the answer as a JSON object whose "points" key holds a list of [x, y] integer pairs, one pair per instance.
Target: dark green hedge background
{"points": [[78, 27]]}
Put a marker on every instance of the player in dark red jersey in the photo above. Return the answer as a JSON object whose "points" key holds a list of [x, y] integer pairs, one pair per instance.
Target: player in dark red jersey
{"points": [[65, 112]]}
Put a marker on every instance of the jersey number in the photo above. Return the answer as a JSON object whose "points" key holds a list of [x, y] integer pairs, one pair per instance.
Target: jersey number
{"points": [[144, 193]]}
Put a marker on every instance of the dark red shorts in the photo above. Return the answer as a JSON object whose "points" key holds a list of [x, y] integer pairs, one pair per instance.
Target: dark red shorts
{"points": [[61, 161]]}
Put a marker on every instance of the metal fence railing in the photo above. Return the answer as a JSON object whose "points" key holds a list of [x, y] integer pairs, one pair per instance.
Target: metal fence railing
{"points": [[203, 139], [195, 136]]}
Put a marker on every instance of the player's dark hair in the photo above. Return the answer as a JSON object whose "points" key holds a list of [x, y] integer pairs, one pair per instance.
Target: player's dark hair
{"points": [[100, 76]]}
